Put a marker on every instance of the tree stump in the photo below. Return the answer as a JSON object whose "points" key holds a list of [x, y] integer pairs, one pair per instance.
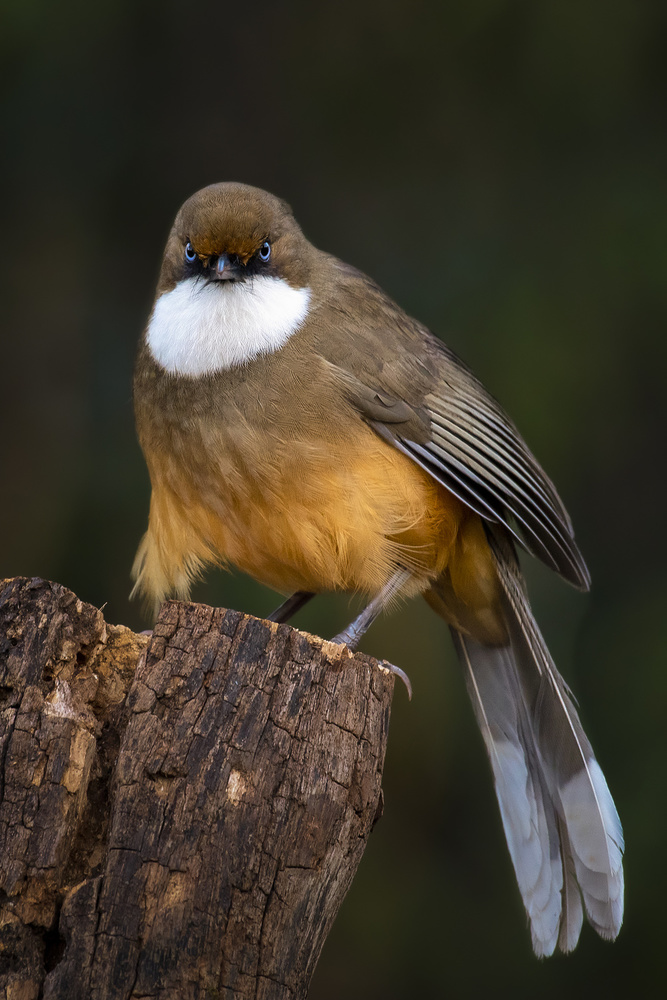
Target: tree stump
{"points": [[180, 817]]}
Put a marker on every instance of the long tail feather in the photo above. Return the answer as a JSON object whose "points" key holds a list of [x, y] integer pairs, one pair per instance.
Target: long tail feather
{"points": [[572, 916], [525, 807], [562, 827]]}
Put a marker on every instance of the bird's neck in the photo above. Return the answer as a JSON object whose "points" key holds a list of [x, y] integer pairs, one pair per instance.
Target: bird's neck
{"points": [[198, 329]]}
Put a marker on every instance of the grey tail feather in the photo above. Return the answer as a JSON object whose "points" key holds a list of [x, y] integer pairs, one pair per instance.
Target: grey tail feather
{"points": [[562, 828], [572, 915]]}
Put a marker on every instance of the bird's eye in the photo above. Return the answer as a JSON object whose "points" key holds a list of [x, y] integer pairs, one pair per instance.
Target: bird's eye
{"points": [[264, 251], [190, 254]]}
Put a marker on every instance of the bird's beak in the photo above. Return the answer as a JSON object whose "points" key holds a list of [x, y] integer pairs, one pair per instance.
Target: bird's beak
{"points": [[225, 268]]}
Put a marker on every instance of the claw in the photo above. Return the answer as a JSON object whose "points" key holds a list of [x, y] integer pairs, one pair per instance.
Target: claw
{"points": [[386, 665], [341, 640]]}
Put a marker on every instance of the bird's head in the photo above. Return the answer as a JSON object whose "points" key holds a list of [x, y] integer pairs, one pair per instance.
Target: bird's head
{"points": [[233, 233], [235, 281]]}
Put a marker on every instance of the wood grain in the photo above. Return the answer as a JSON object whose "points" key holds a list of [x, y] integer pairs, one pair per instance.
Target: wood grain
{"points": [[179, 817]]}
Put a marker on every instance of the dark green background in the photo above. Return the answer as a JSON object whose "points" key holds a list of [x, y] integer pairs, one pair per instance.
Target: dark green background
{"points": [[500, 168]]}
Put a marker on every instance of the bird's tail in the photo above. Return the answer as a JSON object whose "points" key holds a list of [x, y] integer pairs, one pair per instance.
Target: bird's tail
{"points": [[563, 831]]}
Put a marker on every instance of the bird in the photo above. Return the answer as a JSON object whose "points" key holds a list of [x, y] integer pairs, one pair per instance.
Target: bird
{"points": [[298, 424]]}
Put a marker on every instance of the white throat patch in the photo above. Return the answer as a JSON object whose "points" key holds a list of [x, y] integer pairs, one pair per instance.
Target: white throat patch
{"points": [[197, 329]]}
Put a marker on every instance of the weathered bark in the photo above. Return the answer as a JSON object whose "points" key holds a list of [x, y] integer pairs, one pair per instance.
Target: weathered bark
{"points": [[179, 824]]}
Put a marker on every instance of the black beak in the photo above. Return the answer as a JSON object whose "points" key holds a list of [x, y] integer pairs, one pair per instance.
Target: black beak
{"points": [[225, 268]]}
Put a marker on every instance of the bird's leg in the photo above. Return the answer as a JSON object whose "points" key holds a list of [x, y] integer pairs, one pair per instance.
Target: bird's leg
{"points": [[290, 606], [353, 633]]}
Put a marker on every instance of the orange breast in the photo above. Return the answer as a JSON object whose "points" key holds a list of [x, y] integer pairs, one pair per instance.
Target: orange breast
{"points": [[301, 517]]}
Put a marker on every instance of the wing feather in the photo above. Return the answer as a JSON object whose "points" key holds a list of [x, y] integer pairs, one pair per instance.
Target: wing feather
{"points": [[447, 423]]}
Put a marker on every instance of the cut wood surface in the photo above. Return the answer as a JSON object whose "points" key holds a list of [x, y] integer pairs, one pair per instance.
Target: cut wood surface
{"points": [[180, 816]]}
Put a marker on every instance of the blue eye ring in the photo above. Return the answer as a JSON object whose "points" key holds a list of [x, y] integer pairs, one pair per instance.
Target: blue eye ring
{"points": [[264, 251], [190, 253]]}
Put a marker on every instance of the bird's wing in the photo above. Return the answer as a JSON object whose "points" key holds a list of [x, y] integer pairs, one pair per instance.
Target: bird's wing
{"points": [[462, 437]]}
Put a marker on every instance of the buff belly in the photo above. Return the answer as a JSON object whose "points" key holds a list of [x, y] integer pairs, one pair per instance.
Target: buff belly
{"points": [[295, 518]]}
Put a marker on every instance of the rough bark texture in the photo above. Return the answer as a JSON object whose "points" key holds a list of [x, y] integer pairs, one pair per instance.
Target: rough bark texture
{"points": [[183, 823]]}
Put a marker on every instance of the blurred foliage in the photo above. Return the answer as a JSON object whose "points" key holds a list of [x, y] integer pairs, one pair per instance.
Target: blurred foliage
{"points": [[500, 168]]}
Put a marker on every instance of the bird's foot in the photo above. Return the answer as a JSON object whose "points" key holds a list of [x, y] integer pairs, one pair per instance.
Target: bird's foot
{"points": [[386, 665], [347, 638]]}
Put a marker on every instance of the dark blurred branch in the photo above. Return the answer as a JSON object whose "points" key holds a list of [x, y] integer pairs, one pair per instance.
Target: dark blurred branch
{"points": [[180, 823]]}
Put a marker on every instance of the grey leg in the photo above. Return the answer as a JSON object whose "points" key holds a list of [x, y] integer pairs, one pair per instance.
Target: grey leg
{"points": [[354, 631], [290, 606]]}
